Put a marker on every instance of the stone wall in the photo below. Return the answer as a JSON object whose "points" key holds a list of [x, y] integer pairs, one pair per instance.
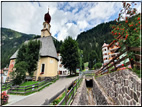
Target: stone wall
{"points": [[99, 96], [81, 95], [123, 87]]}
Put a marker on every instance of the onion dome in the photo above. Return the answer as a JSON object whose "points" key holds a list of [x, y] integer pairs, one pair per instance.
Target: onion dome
{"points": [[47, 17]]}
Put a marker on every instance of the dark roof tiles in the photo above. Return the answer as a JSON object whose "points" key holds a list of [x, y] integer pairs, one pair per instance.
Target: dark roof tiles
{"points": [[47, 49]]}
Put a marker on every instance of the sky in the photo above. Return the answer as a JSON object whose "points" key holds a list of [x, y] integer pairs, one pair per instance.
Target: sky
{"points": [[67, 18]]}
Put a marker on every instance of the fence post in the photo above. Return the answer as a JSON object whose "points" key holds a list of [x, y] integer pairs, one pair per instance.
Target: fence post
{"points": [[131, 62], [5, 85], [37, 86], [66, 95], [114, 64], [25, 89], [73, 89], [17, 88]]}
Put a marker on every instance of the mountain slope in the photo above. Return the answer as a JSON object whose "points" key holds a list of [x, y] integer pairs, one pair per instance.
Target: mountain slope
{"points": [[93, 39], [11, 40]]}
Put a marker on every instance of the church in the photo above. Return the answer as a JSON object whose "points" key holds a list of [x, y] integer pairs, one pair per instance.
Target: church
{"points": [[48, 61]]}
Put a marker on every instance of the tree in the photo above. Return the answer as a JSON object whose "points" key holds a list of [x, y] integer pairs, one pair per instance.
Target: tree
{"points": [[19, 74], [92, 59], [80, 59], [129, 31], [70, 55], [32, 55], [97, 65], [26, 61]]}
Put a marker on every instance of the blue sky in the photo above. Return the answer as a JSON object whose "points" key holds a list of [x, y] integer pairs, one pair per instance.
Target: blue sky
{"points": [[67, 18]]}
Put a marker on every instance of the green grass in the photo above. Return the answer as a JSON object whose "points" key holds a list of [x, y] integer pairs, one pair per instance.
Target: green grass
{"points": [[70, 76], [57, 100], [29, 83]]}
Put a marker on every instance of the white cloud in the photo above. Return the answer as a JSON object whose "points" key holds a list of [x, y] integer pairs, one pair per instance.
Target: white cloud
{"points": [[27, 17]]}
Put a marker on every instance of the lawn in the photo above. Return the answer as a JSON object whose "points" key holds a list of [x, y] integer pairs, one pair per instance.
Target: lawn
{"points": [[29, 83], [29, 88]]}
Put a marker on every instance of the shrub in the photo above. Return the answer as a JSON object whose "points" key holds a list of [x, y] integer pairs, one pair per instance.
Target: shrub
{"points": [[4, 98], [97, 65]]}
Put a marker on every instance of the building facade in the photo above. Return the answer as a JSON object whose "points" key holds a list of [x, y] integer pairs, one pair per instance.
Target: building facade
{"points": [[109, 51], [62, 71]]}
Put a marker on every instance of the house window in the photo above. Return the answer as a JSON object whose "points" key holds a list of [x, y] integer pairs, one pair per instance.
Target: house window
{"points": [[42, 69]]}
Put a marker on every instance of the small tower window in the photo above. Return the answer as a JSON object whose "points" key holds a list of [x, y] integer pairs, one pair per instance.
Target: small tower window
{"points": [[44, 25]]}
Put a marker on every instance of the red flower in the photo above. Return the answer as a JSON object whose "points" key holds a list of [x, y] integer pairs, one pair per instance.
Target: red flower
{"points": [[122, 64], [126, 32], [119, 33], [126, 18], [126, 37], [126, 21], [123, 28], [117, 28], [130, 25], [136, 24], [139, 21], [138, 18], [112, 32], [135, 29], [131, 58]]}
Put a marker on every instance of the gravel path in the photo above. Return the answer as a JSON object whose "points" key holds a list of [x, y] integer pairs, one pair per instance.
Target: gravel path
{"points": [[38, 98]]}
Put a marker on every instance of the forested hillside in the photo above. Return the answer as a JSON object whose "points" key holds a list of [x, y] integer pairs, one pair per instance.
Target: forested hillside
{"points": [[92, 40], [11, 41]]}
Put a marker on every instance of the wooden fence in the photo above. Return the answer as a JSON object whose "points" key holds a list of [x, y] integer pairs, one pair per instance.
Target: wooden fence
{"points": [[6, 85], [68, 95], [29, 88], [113, 63]]}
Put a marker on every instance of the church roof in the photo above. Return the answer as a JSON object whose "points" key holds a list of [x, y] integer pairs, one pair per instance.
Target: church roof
{"points": [[47, 48]]}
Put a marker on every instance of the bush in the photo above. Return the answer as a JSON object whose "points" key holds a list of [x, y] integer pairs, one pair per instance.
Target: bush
{"points": [[97, 65], [4, 98]]}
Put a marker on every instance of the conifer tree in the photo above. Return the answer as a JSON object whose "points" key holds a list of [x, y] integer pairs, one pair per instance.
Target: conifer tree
{"points": [[70, 55]]}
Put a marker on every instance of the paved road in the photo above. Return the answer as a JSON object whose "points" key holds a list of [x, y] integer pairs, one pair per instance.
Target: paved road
{"points": [[39, 97]]}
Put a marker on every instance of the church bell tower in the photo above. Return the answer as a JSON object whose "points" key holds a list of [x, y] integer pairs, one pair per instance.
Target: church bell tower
{"points": [[46, 25]]}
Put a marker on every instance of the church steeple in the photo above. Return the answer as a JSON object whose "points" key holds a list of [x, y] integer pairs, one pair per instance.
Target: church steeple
{"points": [[46, 25]]}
